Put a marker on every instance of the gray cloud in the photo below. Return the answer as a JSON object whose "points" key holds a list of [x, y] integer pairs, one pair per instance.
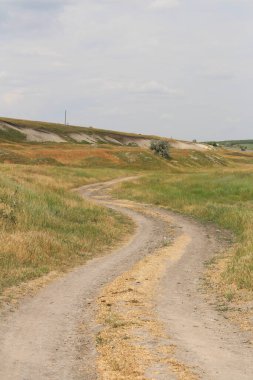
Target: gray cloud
{"points": [[164, 4], [180, 68], [37, 6]]}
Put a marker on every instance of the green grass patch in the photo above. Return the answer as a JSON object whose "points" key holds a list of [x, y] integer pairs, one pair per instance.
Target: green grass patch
{"points": [[248, 144], [222, 197], [45, 227], [11, 135]]}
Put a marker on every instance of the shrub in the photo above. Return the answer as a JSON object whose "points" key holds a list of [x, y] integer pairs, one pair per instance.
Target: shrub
{"points": [[160, 147], [213, 143]]}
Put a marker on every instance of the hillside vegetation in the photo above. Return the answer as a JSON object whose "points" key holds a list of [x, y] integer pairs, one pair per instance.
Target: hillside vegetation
{"points": [[16, 130], [236, 144], [45, 227], [224, 197]]}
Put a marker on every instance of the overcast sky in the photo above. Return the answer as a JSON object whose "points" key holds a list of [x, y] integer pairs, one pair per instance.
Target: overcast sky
{"points": [[180, 68]]}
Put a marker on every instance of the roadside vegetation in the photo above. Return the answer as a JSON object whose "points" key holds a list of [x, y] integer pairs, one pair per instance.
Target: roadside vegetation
{"points": [[45, 227], [224, 197]]}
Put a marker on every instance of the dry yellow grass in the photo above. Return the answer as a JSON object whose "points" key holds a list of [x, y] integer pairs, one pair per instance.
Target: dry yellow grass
{"points": [[132, 342], [44, 227], [221, 196]]}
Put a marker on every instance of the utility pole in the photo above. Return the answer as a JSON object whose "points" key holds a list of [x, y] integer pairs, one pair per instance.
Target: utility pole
{"points": [[65, 117]]}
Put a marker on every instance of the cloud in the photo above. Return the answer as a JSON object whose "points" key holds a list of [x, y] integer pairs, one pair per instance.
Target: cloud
{"points": [[240, 2], [233, 120], [167, 117], [114, 66], [154, 88], [21, 17], [38, 5], [108, 111], [164, 4], [12, 98], [151, 87], [3, 75], [223, 74]]}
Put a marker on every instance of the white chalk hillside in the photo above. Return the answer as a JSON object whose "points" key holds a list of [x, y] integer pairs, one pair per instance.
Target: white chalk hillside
{"points": [[87, 135]]}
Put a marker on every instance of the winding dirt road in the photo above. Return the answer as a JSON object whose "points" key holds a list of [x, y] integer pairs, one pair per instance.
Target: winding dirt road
{"points": [[52, 335]]}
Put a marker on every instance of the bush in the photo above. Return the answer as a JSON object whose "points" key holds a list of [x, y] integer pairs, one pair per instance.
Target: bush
{"points": [[213, 143], [161, 147]]}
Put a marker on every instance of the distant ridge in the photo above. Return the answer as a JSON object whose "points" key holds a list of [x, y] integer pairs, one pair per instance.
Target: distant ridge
{"points": [[17, 130]]}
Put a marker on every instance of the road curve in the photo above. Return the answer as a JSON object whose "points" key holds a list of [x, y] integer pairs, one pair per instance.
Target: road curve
{"points": [[40, 340], [43, 338]]}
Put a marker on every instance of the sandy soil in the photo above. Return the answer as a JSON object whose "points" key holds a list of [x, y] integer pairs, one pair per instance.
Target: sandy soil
{"points": [[34, 135], [191, 146], [204, 338], [79, 137], [53, 334]]}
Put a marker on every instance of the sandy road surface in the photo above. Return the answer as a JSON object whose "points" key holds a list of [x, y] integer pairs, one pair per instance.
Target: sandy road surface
{"points": [[52, 335], [204, 338]]}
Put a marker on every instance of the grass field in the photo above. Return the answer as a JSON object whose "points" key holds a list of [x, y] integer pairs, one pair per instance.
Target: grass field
{"points": [[76, 155], [45, 227], [237, 144], [224, 197]]}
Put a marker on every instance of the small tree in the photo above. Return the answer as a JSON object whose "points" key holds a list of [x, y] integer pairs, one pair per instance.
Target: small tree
{"points": [[213, 143], [160, 147]]}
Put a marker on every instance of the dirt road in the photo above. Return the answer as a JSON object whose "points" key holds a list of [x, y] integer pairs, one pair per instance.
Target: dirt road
{"points": [[52, 335]]}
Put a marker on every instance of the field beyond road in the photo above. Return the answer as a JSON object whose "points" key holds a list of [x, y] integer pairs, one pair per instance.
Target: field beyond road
{"points": [[223, 197]]}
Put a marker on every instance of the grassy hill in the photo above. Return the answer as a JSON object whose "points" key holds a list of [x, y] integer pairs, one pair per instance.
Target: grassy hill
{"points": [[15, 130], [40, 162], [37, 131], [235, 144]]}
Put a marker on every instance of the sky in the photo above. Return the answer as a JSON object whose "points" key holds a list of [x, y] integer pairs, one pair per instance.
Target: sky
{"points": [[175, 68]]}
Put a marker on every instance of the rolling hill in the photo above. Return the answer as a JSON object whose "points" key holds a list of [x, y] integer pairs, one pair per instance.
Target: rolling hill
{"points": [[36, 131]]}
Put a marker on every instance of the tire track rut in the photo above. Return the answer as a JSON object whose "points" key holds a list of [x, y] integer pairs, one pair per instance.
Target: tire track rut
{"points": [[52, 335]]}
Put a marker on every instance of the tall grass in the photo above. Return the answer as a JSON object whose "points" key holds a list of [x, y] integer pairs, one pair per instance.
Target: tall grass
{"points": [[77, 155], [45, 227], [224, 197]]}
